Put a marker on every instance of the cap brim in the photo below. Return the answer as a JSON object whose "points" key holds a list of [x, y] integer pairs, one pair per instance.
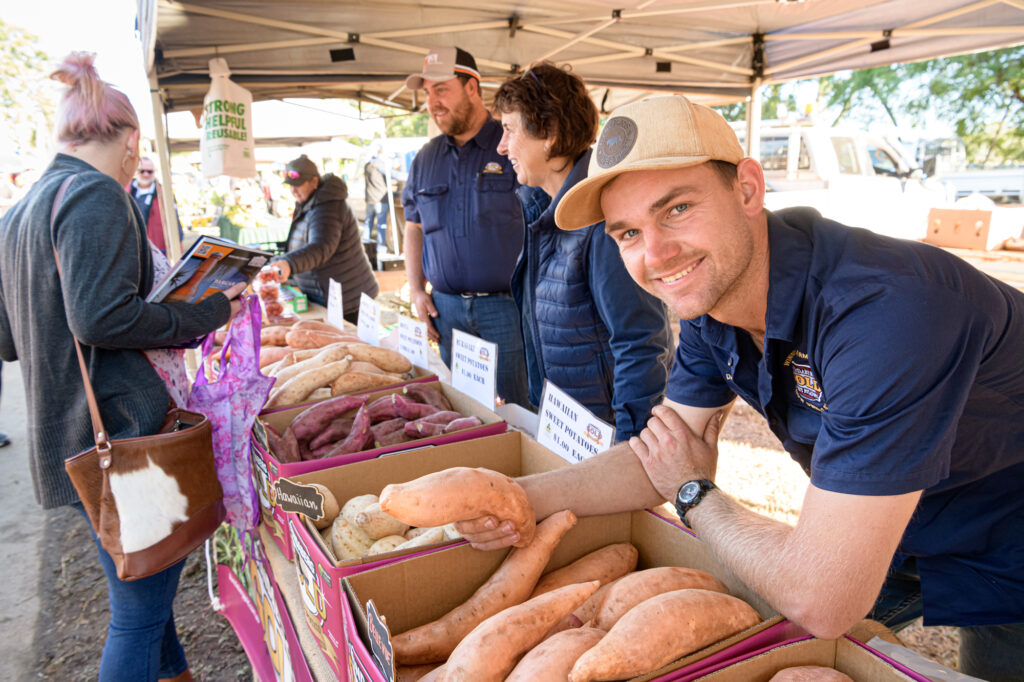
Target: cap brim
{"points": [[581, 205], [417, 80]]}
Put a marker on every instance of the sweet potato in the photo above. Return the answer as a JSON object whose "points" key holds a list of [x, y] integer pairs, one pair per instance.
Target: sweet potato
{"points": [[430, 536], [290, 452], [410, 409], [660, 630], [350, 510], [313, 338], [335, 431], [359, 438], [810, 673], [490, 651], [326, 355], [435, 675], [274, 336], [383, 408], [387, 426], [220, 336], [317, 325], [385, 358], [299, 387], [386, 544], [311, 421], [552, 659], [604, 565], [393, 438], [322, 393], [413, 673], [347, 541], [422, 429], [642, 585], [370, 368], [422, 393], [511, 584], [274, 442], [353, 382], [443, 417], [272, 354], [377, 524], [331, 508], [462, 423], [587, 609]]}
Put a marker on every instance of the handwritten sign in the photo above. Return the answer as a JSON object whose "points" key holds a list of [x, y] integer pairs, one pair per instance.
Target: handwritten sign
{"points": [[474, 367], [412, 340], [335, 309], [368, 328], [568, 429], [380, 641]]}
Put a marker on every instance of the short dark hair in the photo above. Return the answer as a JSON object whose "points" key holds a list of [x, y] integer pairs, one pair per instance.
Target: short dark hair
{"points": [[553, 101], [726, 171]]}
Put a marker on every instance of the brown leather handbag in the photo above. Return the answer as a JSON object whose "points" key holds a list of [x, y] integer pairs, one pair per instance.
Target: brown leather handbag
{"points": [[151, 499]]}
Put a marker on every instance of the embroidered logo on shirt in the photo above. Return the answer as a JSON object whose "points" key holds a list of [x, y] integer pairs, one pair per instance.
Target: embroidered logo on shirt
{"points": [[808, 388], [492, 167]]}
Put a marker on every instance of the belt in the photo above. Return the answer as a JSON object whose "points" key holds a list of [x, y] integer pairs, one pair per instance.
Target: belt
{"points": [[476, 294]]}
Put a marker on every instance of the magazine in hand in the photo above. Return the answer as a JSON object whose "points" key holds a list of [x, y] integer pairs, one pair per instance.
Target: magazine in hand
{"points": [[210, 266]]}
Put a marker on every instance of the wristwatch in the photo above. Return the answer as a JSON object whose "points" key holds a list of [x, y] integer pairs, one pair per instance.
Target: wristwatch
{"points": [[689, 496]]}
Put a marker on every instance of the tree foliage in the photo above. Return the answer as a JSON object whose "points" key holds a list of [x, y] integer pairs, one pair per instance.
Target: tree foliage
{"points": [[398, 122], [27, 103], [775, 101]]}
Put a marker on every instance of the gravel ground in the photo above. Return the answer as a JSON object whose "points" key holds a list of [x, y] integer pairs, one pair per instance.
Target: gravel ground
{"points": [[754, 469]]}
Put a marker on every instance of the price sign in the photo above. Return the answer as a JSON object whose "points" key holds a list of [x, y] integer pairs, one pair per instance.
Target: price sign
{"points": [[335, 309], [568, 429], [368, 328], [412, 340], [474, 367]]}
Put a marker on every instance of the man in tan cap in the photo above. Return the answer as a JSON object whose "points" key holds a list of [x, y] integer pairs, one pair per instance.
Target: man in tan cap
{"points": [[890, 370]]}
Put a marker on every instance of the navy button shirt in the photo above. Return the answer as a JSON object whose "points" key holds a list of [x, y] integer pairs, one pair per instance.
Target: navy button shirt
{"points": [[465, 199], [890, 366]]}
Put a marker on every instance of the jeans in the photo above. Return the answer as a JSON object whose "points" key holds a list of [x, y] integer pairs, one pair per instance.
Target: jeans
{"points": [[376, 212], [990, 652], [493, 318], [142, 643]]}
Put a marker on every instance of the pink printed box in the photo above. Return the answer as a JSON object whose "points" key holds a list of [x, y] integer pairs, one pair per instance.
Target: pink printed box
{"points": [[321, 576], [414, 592], [268, 468]]}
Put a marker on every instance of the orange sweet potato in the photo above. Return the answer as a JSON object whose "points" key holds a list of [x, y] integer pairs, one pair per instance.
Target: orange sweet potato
{"points": [[314, 338], [273, 336], [660, 630], [511, 584], [490, 651], [272, 354], [459, 494], [413, 673], [604, 565], [552, 659], [317, 325], [810, 673], [637, 587]]}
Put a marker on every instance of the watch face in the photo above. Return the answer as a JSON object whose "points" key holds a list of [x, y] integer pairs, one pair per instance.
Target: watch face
{"points": [[688, 492]]}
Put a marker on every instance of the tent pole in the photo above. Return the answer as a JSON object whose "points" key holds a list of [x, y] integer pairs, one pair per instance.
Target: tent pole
{"points": [[167, 211], [754, 121]]}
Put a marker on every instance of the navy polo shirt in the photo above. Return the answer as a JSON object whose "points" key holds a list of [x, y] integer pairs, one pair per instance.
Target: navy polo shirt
{"points": [[465, 199], [890, 366]]}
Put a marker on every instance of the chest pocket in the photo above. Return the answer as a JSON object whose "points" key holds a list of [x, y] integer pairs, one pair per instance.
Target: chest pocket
{"points": [[430, 204], [803, 423], [496, 204]]}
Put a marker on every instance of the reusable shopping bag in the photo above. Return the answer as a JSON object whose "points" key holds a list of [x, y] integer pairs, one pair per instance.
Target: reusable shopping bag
{"points": [[226, 146]]}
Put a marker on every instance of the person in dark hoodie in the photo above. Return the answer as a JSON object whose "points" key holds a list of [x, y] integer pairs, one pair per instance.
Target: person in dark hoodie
{"points": [[323, 240]]}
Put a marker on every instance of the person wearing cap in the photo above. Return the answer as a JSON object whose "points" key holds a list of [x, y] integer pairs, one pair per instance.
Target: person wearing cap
{"points": [[323, 240], [587, 326], [464, 223], [889, 369]]}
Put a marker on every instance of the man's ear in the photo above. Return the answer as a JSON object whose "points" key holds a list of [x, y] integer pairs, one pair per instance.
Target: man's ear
{"points": [[750, 178]]}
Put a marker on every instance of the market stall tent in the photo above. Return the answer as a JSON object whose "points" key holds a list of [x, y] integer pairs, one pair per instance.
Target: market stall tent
{"points": [[713, 52]]}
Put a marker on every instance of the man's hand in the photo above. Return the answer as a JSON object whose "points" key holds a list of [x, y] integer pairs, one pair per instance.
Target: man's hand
{"points": [[232, 294], [423, 304], [283, 268], [487, 533], [671, 453]]}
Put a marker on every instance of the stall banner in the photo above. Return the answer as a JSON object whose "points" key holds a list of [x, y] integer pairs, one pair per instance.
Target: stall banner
{"points": [[475, 367], [335, 309], [412, 340], [569, 429], [368, 328], [226, 144]]}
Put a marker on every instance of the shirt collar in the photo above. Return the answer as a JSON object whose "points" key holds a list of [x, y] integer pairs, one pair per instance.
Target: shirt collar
{"points": [[486, 138], [540, 199]]}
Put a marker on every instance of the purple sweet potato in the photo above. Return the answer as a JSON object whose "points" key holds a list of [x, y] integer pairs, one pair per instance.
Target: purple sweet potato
{"points": [[386, 427], [422, 429], [411, 409], [422, 393], [443, 417], [393, 438], [462, 423], [335, 431], [310, 422], [359, 438], [275, 443], [383, 408], [290, 450]]}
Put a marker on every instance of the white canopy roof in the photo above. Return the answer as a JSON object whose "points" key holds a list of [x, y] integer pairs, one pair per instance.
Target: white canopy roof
{"points": [[713, 51]]}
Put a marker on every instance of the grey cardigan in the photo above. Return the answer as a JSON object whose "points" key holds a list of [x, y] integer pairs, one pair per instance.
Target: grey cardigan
{"points": [[100, 298]]}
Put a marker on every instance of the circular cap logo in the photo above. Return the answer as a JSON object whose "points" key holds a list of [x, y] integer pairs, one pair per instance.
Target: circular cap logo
{"points": [[616, 141]]}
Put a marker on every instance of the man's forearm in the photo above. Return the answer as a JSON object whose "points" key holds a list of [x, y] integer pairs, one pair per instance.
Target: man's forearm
{"points": [[610, 482], [414, 257]]}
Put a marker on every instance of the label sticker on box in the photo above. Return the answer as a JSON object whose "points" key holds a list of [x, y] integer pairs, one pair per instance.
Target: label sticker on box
{"points": [[474, 367], [568, 429], [335, 308], [368, 328], [355, 667], [412, 340], [300, 499], [380, 641]]}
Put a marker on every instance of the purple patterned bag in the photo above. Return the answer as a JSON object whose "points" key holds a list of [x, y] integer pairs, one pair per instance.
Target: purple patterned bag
{"points": [[231, 403]]}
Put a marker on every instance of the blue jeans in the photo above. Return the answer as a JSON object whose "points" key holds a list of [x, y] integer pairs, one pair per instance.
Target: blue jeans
{"points": [[493, 318], [990, 652], [376, 212], [142, 643]]}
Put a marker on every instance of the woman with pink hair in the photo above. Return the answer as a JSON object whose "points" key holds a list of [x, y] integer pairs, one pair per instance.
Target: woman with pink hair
{"points": [[98, 297]]}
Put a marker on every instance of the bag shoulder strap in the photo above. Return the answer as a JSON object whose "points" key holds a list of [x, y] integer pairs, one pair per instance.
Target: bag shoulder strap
{"points": [[102, 442]]}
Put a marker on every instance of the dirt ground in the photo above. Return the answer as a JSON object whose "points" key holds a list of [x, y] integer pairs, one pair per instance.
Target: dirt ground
{"points": [[74, 600]]}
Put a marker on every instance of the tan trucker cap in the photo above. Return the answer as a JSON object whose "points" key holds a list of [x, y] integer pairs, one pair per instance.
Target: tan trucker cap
{"points": [[654, 134]]}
